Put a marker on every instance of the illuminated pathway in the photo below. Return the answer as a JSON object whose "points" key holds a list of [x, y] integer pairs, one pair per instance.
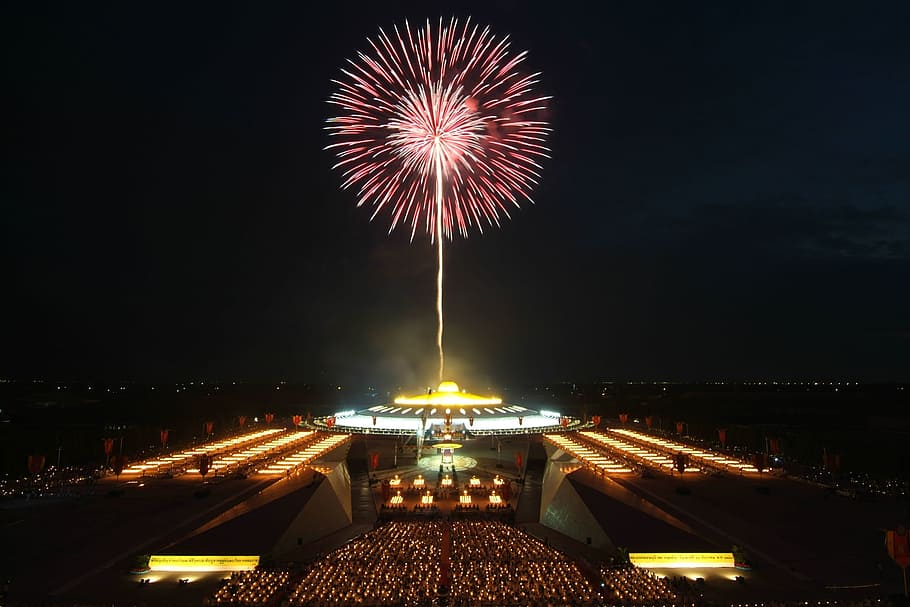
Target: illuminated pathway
{"points": [[274, 447], [597, 461], [178, 461], [630, 451], [307, 454], [703, 457]]}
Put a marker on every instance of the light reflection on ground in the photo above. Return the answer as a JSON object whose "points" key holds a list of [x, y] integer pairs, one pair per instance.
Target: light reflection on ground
{"points": [[432, 462]]}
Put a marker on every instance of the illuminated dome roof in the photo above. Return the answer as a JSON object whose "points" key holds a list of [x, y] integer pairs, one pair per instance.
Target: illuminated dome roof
{"points": [[447, 394], [450, 407], [447, 386]]}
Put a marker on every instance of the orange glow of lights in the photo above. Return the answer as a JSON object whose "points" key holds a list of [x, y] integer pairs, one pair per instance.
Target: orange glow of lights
{"points": [[586, 454], [195, 563], [447, 394], [679, 560]]}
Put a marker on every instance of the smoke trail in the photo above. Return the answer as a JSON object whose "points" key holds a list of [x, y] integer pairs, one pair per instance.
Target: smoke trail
{"points": [[439, 260]]}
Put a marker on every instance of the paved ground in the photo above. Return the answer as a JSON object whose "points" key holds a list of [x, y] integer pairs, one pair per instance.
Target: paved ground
{"points": [[800, 538], [51, 549], [788, 525]]}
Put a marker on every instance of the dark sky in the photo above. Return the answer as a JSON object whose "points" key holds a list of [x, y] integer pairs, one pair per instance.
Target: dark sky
{"points": [[728, 197]]}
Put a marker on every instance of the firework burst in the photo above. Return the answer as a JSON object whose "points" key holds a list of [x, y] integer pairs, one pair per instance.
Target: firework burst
{"points": [[441, 128], [439, 123]]}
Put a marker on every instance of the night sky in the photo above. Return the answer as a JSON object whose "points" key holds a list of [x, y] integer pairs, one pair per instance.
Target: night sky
{"points": [[728, 197]]}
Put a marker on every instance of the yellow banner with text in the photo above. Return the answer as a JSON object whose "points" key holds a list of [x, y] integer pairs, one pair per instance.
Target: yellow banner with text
{"points": [[183, 562]]}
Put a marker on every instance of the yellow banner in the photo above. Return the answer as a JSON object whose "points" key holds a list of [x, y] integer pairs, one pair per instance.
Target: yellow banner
{"points": [[181, 562], [672, 560]]}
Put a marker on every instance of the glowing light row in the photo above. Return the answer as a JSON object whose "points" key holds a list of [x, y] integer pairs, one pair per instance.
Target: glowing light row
{"points": [[704, 456], [178, 459], [635, 452], [408, 424], [272, 447], [306, 455], [196, 563], [677, 560], [586, 454]]}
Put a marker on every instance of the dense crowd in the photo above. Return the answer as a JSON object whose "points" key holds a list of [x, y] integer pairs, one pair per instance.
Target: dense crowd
{"points": [[634, 586], [484, 563], [397, 563], [257, 587], [495, 564]]}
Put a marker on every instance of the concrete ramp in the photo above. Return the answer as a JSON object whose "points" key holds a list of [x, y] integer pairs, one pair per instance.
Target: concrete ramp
{"points": [[327, 511], [563, 509]]}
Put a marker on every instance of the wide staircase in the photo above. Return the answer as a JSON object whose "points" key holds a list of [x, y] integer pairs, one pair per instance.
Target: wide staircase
{"points": [[363, 507], [529, 499]]}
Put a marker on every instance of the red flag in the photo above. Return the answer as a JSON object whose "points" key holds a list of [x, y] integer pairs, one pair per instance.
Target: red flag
{"points": [[118, 463], [649, 421], [596, 420], [208, 426], [722, 434], [330, 421], [296, 419], [774, 445], [565, 422], [623, 418], [898, 543], [108, 446], [374, 460], [163, 438], [679, 427], [242, 420], [35, 463], [518, 461], [269, 417]]}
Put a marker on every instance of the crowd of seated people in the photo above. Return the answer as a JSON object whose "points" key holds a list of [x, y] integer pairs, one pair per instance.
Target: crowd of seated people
{"points": [[257, 587], [490, 563], [397, 563], [495, 564], [634, 586]]}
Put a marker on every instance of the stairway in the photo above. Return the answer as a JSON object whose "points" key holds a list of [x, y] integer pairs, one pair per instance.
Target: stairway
{"points": [[529, 498], [363, 506]]}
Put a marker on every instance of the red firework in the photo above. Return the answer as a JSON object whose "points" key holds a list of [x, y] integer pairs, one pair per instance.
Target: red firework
{"points": [[439, 120]]}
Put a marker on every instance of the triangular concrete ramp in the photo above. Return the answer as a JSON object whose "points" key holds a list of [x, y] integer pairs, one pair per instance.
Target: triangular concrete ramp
{"points": [[633, 523], [598, 512], [327, 511], [309, 505], [620, 493], [254, 525], [558, 464], [563, 510]]}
